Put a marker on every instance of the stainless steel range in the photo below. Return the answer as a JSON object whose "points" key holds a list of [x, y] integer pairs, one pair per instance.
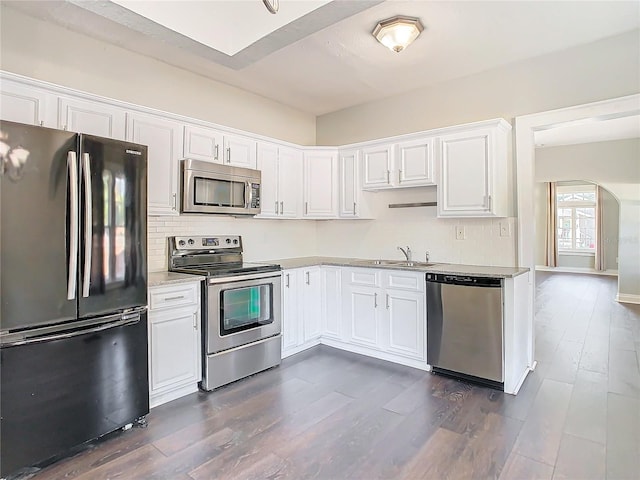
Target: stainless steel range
{"points": [[241, 314]]}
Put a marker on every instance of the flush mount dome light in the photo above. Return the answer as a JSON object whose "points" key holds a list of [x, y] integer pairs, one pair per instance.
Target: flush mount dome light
{"points": [[397, 33]]}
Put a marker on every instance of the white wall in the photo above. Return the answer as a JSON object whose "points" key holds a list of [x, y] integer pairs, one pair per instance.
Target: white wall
{"points": [[605, 69], [420, 229], [48, 52], [264, 239]]}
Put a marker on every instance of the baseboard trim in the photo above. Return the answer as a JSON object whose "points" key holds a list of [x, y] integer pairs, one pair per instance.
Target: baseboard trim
{"points": [[628, 298], [587, 271], [408, 362]]}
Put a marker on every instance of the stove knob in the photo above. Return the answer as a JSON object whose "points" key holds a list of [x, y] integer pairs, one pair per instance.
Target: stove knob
{"points": [[235, 241], [228, 240], [181, 243], [191, 242]]}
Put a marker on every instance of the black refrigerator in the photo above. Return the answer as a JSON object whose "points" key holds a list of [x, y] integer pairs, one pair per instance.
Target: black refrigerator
{"points": [[73, 285]]}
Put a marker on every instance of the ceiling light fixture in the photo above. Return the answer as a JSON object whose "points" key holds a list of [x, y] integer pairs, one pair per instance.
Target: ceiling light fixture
{"points": [[272, 5], [397, 33]]}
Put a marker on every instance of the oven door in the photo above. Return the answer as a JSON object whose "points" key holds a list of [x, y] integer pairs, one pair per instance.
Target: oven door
{"points": [[242, 309]]}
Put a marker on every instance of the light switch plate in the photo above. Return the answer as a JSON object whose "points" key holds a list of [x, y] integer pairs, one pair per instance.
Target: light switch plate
{"points": [[459, 232], [505, 229]]}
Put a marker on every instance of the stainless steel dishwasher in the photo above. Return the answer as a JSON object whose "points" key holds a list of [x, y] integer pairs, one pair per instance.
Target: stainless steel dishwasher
{"points": [[464, 327]]}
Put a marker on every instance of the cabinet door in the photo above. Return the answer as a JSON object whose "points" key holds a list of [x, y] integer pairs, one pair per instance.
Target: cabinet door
{"points": [[377, 163], [267, 162], [201, 143], [290, 183], [94, 118], [465, 174], [349, 184], [291, 314], [320, 184], [407, 321], [360, 310], [239, 151], [414, 161], [26, 104], [331, 304], [174, 348], [312, 303], [164, 139]]}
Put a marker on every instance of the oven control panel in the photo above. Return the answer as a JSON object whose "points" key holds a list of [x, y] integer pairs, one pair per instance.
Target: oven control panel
{"points": [[206, 242]]}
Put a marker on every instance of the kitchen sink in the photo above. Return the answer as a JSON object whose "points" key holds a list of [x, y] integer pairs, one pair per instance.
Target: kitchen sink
{"points": [[393, 263]]}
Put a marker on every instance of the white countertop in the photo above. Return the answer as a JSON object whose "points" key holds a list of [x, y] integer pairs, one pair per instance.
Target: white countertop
{"points": [[158, 279]]}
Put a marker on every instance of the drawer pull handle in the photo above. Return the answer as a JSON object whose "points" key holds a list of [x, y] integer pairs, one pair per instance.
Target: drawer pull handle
{"points": [[166, 299]]}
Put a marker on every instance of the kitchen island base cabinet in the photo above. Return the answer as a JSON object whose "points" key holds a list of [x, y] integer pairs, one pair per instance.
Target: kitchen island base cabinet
{"points": [[174, 342]]}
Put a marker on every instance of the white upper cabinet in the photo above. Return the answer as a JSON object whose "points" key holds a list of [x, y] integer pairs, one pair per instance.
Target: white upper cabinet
{"points": [[290, 182], [239, 151], [27, 104], [211, 145], [163, 138], [474, 172], [414, 163], [320, 184], [352, 201], [267, 162], [405, 164], [377, 163], [202, 143], [281, 185], [94, 118]]}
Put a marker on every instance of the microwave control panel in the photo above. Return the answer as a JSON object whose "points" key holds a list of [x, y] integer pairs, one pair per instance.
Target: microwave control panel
{"points": [[255, 195]]}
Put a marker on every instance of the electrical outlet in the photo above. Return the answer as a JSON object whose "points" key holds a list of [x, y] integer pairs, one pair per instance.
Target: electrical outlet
{"points": [[505, 229], [459, 232]]}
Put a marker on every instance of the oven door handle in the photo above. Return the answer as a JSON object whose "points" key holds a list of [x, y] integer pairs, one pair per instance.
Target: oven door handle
{"points": [[240, 278]]}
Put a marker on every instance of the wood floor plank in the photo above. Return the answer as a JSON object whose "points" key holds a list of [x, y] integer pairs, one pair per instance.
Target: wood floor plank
{"points": [[519, 467], [125, 467], [433, 460], [587, 415], [580, 458], [488, 449], [541, 434]]}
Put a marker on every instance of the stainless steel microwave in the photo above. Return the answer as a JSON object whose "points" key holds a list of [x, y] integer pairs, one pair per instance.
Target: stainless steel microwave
{"points": [[221, 189]]}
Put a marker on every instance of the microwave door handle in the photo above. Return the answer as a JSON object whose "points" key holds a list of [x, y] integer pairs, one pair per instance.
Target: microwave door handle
{"points": [[249, 195]]}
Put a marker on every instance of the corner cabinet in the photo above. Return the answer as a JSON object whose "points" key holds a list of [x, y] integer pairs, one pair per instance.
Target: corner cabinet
{"points": [[163, 138], [474, 172], [320, 184], [28, 104], [174, 341], [352, 200]]}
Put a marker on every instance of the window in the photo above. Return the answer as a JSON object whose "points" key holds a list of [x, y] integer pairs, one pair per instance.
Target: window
{"points": [[576, 207]]}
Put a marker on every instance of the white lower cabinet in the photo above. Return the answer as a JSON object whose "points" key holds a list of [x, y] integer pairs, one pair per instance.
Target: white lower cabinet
{"points": [[384, 314], [174, 342], [375, 312], [301, 309]]}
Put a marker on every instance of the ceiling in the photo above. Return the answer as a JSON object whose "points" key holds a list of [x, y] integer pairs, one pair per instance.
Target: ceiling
{"points": [[589, 131], [319, 56]]}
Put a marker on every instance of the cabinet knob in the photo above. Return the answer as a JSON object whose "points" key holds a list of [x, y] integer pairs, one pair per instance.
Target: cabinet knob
{"points": [[375, 300], [175, 201], [281, 208], [216, 152]]}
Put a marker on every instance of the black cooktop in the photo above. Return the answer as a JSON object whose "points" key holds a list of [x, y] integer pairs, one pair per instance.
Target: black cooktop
{"points": [[228, 270]]}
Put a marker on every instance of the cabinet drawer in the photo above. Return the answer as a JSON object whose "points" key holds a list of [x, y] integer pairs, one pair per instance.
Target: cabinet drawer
{"points": [[361, 276], [405, 281], [173, 296]]}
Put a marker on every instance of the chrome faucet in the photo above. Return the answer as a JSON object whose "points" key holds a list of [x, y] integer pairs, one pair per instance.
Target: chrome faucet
{"points": [[407, 252]]}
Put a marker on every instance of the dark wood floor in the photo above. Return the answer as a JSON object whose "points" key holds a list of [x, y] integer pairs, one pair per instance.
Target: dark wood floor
{"points": [[329, 414]]}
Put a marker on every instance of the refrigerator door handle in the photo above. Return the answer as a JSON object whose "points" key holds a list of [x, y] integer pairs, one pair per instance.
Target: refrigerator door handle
{"points": [[88, 223], [123, 321], [72, 274]]}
